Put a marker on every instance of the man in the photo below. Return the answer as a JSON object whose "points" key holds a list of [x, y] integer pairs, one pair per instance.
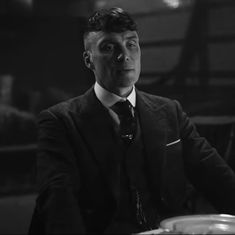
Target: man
{"points": [[118, 160]]}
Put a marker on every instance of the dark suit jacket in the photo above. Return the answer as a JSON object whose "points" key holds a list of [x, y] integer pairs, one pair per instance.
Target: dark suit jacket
{"points": [[77, 164]]}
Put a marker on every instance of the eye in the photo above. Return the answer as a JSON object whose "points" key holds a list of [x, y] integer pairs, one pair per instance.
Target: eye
{"points": [[132, 44], [109, 47]]}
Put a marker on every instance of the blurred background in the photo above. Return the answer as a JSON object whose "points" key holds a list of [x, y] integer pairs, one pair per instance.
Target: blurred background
{"points": [[188, 54]]}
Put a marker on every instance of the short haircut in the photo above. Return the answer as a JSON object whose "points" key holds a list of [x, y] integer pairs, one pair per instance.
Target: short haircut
{"points": [[110, 20]]}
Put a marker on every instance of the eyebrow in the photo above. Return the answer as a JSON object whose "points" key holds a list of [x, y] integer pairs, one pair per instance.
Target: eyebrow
{"points": [[113, 40], [132, 37]]}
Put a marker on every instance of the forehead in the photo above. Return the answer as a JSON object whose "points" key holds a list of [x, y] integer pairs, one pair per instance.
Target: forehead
{"points": [[100, 36]]}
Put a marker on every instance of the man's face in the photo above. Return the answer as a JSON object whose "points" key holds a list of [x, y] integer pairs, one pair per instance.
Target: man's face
{"points": [[115, 59]]}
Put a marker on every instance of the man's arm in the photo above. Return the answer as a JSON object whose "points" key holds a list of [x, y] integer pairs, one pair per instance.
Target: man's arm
{"points": [[209, 173], [57, 209]]}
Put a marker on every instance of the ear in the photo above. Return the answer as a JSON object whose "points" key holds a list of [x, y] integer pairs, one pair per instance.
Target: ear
{"points": [[88, 60]]}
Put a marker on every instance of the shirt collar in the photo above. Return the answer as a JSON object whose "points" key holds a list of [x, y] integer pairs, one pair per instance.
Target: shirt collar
{"points": [[108, 99]]}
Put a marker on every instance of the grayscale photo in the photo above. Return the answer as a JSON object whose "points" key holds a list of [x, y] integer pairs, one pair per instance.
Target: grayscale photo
{"points": [[117, 117]]}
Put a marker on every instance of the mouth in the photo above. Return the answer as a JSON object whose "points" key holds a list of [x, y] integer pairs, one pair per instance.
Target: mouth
{"points": [[125, 69]]}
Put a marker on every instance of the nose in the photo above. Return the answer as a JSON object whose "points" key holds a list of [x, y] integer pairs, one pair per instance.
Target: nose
{"points": [[123, 56]]}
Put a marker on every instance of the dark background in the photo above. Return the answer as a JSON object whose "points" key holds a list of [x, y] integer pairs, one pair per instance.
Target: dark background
{"points": [[188, 53]]}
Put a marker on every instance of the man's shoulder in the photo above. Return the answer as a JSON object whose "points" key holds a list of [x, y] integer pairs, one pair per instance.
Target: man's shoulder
{"points": [[167, 106], [63, 108], [155, 99], [67, 105]]}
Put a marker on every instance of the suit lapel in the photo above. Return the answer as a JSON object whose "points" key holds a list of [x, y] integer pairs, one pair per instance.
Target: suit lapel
{"points": [[153, 126], [96, 126], [95, 123]]}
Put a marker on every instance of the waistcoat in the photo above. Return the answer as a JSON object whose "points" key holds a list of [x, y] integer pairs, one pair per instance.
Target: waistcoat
{"points": [[133, 174]]}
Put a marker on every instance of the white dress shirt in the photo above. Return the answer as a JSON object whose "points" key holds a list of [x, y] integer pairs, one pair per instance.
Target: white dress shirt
{"points": [[108, 99]]}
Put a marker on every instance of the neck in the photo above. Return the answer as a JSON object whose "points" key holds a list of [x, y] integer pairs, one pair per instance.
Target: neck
{"points": [[123, 92], [120, 91]]}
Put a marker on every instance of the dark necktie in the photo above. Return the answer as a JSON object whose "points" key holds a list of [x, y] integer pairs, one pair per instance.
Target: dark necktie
{"points": [[128, 126], [126, 114]]}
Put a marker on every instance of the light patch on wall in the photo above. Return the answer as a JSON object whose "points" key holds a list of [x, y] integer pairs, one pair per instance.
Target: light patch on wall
{"points": [[28, 3], [22, 6], [173, 3], [178, 3], [100, 4]]}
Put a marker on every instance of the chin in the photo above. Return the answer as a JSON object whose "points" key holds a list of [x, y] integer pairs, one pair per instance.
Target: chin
{"points": [[127, 81], [126, 84]]}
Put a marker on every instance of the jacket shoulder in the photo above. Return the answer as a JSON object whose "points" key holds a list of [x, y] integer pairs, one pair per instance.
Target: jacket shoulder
{"points": [[64, 108], [156, 100], [67, 105]]}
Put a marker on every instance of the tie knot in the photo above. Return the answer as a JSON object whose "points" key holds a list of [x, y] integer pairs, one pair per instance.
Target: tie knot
{"points": [[126, 114], [123, 109]]}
